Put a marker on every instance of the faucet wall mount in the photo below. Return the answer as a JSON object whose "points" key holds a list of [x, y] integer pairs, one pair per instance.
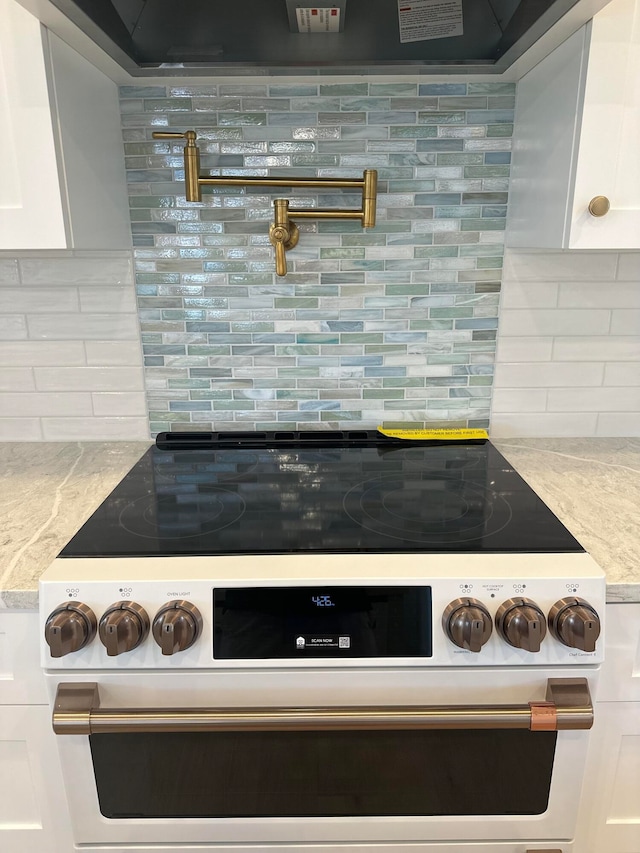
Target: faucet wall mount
{"points": [[283, 233]]}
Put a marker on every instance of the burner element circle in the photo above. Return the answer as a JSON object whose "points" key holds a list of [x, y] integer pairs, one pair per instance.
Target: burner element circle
{"points": [[182, 515], [427, 508]]}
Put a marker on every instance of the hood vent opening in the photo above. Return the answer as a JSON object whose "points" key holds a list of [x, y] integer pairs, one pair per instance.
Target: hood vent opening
{"points": [[198, 37]]}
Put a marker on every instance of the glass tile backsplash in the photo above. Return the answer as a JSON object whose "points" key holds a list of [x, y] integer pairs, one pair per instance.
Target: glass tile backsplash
{"points": [[391, 325]]}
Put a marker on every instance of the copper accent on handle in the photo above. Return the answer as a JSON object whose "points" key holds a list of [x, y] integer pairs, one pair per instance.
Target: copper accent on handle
{"points": [[77, 711], [543, 717], [194, 182], [599, 205], [546, 850]]}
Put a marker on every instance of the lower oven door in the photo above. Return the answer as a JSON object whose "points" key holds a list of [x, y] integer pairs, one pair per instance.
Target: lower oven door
{"points": [[257, 757]]}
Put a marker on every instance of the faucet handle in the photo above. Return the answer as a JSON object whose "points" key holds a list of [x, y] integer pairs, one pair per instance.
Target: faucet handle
{"points": [[283, 234], [189, 135]]}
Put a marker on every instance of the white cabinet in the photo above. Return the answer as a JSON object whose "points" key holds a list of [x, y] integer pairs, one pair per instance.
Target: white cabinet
{"points": [[576, 136], [610, 812], [63, 181], [33, 811]]}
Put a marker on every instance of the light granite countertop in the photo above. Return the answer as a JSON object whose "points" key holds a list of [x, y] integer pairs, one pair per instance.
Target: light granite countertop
{"points": [[50, 489]]}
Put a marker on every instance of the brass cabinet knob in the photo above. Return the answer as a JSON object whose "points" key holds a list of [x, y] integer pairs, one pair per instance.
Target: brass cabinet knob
{"points": [[599, 205]]}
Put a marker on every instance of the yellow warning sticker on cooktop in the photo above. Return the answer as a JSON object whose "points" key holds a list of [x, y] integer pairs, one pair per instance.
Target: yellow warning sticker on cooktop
{"points": [[436, 434]]}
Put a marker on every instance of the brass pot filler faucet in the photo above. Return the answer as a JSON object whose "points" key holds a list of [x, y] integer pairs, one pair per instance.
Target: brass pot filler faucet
{"points": [[283, 233]]}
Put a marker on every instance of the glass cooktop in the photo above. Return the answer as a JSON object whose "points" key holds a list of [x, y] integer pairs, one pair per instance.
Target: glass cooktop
{"points": [[223, 493]]}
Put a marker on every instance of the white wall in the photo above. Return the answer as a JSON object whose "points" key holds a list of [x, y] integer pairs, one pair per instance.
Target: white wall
{"points": [[70, 354], [568, 352]]}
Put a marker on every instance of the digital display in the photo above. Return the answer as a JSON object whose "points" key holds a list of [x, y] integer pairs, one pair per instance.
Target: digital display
{"points": [[333, 622]]}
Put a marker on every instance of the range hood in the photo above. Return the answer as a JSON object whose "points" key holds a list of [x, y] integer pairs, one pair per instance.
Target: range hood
{"points": [[198, 37]]}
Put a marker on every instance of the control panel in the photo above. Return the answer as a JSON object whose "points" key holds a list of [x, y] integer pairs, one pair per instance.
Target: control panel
{"points": [[460, 615]]}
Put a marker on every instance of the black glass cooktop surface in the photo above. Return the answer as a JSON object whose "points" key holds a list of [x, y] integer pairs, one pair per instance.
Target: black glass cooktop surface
{"points": [[353, 495]]}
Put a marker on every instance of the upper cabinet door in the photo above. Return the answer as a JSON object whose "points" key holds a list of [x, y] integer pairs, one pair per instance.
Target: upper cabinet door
{"points": [[30, 199], [575, 138], [608, 162], [62, 174]]}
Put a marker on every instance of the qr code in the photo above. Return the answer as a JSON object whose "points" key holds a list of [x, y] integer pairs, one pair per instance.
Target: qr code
{"points": [[344, 642]]}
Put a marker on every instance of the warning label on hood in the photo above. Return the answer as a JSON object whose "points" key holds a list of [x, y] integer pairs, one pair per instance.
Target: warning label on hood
{"points": [[421, 20]]}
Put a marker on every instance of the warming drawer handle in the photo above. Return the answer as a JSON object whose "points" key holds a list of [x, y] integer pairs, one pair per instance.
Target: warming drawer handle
{"points": [[568, 705]]}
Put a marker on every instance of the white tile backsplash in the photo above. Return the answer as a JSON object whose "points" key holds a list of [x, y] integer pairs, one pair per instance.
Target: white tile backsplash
{"points": [[70, 352], [573, 369]]}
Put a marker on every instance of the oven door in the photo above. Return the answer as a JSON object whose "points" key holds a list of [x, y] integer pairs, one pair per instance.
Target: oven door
{"points": [[270, 757]]}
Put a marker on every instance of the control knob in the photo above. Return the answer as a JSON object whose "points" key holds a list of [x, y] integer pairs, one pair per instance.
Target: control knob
{"points": [[467, 623], [69, 628], [123, 626], [177, 626], [575, 623], [521, 623]]}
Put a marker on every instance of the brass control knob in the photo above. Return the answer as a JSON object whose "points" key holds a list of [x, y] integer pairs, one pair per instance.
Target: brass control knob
{"points": [[467, 623], [123, 626], [521, 623], [69, 628], [575, 623], [177, 626]]}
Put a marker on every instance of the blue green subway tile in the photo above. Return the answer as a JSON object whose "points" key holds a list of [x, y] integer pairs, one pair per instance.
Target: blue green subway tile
{"points": [[345, 326], [341, 278], [439, 118], [363, 361], [353, 265], [298, 372], [477, 323], [404, 382], [376, 104], [148, 175], [484, 198], [497, 157], [492, 88], [480, 250], [347, 252], [168, 417], [344, 89], [153, 361], [317, 132], [164, 105], [442, 89], [346, 146], [216, 396], [297, 349], [189, 406], [342, 118], [447, 358], [207, 326], [444, 146], [430, 251], [457, 212], [482, 225], [131, 105], [318, 103], [292, 119], [451, 313], [490, 263], [319, 405], [158, 278], [494, 211], [142, 240], [414, 104], [413, 186], [413, 132], [241, 119], [209, 351], [406, 90], [432, 199], [163, 349], [484, 335], [142, 91], [431, 325], [487, 287], [189, 384], [480, 381], [293, 91], [389, 118], [224, 266], [405, 337], [142, 121], [254, 90], [490, 116], [200, 227], [382, 394], [473, 369], [499, 130], [432, 301], [314, 160], [211, 372], [464, 102], [385, 372], [406, 289], [466, 159], [252, 105], [390, 146]]}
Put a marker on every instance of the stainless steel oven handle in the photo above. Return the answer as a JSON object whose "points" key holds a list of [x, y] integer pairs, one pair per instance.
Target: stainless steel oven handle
{"points": [[568, 705]]}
